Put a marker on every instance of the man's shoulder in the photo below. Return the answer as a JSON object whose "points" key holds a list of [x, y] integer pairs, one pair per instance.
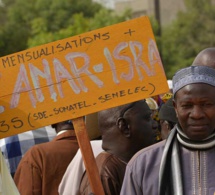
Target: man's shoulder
{"points": [[142, 171], [103, 157], [36, 155], [51, 145], [107, 161], [147, 154], [36, 149], [153, 148]]}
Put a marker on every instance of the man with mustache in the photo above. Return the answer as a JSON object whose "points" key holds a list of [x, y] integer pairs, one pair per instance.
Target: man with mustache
{"points": [[184, 163]]}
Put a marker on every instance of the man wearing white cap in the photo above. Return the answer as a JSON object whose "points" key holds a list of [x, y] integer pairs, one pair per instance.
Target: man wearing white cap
{"points": [[184, 163]]}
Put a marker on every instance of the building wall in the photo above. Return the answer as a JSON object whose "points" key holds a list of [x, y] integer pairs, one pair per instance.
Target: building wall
{"points": [[138, 7], [106, 3], [168, 9]]}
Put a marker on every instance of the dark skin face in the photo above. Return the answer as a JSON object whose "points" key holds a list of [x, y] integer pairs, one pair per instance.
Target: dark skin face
{"points": [[125, 134], [165, 129], [142, 126], [195, 109]]}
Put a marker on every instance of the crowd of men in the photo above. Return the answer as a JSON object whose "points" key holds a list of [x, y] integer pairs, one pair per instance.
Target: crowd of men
{"points": [[163, 145]]}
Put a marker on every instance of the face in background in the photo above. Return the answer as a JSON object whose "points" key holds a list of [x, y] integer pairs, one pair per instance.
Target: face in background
{"points": [[126, 129], [154, 108], [141, 124], [165, 128], [195, 109], [167, 118]]}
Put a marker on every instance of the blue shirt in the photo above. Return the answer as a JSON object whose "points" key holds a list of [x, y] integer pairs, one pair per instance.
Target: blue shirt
{"points": [[13, 148]]}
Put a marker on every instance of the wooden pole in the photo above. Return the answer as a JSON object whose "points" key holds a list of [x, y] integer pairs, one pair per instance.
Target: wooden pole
{"points": [[88, 157]]}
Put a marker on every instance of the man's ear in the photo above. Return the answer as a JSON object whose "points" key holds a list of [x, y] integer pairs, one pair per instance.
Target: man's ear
{"points": [[123, 127]]}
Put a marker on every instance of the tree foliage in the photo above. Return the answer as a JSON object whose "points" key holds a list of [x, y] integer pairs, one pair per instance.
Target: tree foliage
{"points": [[28, 23], [79, 24], [185, 37]]}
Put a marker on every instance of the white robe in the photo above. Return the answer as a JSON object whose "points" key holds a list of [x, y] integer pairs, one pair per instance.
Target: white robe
{"points": [[72, 177]]}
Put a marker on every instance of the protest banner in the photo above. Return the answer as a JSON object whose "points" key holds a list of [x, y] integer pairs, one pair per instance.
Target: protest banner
{"points": [[76, 76], [79, 75]]}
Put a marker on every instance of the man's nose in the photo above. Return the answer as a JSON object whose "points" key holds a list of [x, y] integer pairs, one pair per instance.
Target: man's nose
{"points": [[197, 112]]}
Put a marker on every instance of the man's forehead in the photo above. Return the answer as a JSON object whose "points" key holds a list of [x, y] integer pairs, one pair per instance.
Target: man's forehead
{"points": [[196, 91]]}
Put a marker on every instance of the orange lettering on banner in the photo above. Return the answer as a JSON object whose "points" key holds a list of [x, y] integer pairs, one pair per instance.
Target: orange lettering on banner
{"points": [[79, 75]]}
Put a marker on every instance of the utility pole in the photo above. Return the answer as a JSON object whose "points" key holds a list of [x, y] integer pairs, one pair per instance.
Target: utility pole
{"points": [[158, 18]]}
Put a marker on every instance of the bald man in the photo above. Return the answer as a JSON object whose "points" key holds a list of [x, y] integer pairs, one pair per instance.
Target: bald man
{"points": [[125, 130], [206, 57]]}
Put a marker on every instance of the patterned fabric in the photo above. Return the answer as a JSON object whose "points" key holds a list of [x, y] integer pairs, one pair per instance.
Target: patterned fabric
{"points": [[14, 147], [142, 171], [171, 169], [193, 74]]}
